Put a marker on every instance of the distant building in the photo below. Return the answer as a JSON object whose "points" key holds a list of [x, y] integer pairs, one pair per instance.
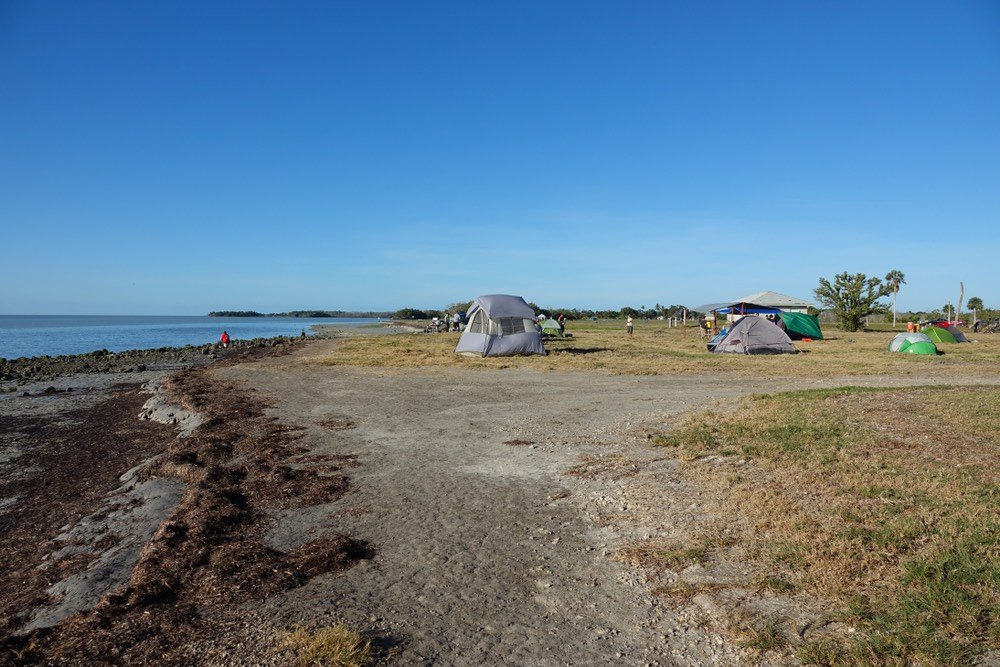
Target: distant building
{"points": [[789, 304], [765, 304]]}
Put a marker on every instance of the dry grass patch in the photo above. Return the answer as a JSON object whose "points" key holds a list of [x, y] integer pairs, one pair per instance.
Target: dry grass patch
{"points": [[883, 501], [615, 466], [673, 554], [758, 633], [658, 350], [656, 554], [333, 646]]}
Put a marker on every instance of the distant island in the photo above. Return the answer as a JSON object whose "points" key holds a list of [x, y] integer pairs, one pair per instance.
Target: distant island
{"points": [[296, 313]]}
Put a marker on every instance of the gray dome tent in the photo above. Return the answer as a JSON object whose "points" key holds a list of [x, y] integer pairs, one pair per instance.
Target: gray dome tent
{"points": [[755, 335], [500, 325]]}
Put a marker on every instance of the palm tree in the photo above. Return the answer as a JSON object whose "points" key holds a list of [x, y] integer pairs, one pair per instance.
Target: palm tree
{"points": [[894, 280]]}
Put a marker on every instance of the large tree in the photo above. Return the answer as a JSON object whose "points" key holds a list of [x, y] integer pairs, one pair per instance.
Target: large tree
{"points": [[974, 303], [852, 297], [894, 280]]}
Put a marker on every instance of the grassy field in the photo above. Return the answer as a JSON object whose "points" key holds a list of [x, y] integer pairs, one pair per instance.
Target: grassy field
{"points": [[656, 349], [883, 502]]}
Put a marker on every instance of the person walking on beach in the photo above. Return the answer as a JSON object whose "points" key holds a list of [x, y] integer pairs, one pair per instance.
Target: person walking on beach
{"points": [[628, 326], [224, 339]]}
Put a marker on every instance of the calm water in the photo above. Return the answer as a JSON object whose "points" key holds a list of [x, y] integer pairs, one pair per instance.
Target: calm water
{"points": [[33, 335]]}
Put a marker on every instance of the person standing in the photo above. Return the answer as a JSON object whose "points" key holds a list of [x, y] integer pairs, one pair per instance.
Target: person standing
{"points": [[224, 339], [628, 326]]}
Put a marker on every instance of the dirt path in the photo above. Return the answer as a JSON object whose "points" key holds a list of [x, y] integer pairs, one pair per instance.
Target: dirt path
{"points": [[487, 552]]}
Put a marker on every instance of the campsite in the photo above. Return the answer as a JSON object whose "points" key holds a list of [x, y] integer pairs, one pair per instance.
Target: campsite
{"points": [[611, 465], [520, 334]]}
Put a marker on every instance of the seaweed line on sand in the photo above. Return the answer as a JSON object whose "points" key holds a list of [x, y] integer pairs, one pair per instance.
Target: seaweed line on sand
{"points": [[210, 556]]}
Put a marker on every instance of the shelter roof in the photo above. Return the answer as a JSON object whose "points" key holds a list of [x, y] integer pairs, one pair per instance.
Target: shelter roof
{"points": [[775, 300], [745, 308], [709, 307], [741, 307]]}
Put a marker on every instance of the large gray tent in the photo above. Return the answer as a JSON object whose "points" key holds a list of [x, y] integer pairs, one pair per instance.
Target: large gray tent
{"points": [[755, 335], [500, 325]]}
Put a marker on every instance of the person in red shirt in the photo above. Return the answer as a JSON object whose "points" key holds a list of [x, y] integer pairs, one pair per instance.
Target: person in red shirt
{"points": [[224, 339]]}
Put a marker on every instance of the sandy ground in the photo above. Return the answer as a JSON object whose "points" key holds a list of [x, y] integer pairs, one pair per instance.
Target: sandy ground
{"points": [[490, 503], [488, 553]]}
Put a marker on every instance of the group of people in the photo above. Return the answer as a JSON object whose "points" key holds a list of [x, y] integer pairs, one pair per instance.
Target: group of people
{"points": [[444, 324]]}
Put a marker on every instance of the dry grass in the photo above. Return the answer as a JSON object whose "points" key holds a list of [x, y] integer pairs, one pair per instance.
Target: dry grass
{"points": [[884, 501], [615, 466], [757, 633], [657, 350], [333, 646], [659, 554]]}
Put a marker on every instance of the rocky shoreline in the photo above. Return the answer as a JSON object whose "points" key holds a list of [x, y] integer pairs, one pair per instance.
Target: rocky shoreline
{"points": [[16, 372]]}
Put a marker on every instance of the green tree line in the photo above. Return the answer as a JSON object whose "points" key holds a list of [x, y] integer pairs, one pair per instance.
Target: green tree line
{"points": [[299, 313], [570, 313]]}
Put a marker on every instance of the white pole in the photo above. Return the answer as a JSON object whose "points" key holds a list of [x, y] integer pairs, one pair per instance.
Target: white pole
{"points": [[961, 297]]}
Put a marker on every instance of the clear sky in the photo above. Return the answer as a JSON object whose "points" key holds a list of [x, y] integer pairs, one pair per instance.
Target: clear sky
{"points": [[178, 157]]}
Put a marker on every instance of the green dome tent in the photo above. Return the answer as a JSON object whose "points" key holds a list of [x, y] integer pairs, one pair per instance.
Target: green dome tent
{"points": [[550, 327], [912, 343], [939, 334], [905, 339], [920, 348], [959, 336], [800, 325]]}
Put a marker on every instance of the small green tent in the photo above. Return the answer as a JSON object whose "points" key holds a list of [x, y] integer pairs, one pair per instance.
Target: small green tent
{"points": [[800, 325], [939, 334], [550, 327], [912, 343], [920, 347]]}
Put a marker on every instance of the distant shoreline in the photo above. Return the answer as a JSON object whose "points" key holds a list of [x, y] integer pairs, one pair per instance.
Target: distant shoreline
{"points": [[18, 371], [308, 314], [32, 336]]}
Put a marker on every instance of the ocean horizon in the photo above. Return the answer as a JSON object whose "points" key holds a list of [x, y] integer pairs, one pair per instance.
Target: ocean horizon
{"points": [[37, 335]]}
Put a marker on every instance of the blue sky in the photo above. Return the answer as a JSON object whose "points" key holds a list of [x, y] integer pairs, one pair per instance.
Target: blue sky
{"points": [[173, 158]]}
